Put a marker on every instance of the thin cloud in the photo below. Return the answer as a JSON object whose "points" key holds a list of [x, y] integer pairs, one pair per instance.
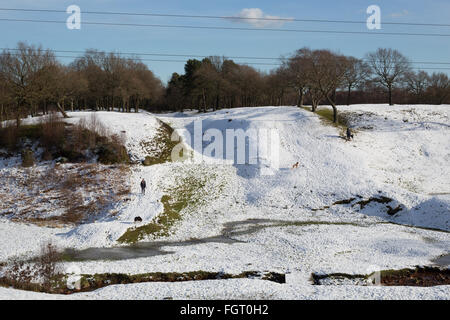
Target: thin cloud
{"points": [[256, 18], [400, 14]]}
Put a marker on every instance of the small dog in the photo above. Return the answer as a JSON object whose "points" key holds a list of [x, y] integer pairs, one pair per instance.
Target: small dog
{"points": [[295, 165], [137, 219]]}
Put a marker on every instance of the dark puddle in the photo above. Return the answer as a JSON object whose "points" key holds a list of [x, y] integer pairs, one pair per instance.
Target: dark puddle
{"points": [[150, 249], [138, 250], [442, 261], [250, 226]]}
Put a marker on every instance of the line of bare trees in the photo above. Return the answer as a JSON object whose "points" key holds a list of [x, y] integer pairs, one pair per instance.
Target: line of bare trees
{"points": [[312, 77], [32, 81]]}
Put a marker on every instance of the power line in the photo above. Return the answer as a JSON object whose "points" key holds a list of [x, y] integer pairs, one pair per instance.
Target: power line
{"points": [[237, 28], [162, 54], [228, 17], [202, 56], [243, 63], [157, 60]]}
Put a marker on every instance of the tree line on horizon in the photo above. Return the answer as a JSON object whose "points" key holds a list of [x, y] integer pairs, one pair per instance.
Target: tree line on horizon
{"points": [[33, 81]]}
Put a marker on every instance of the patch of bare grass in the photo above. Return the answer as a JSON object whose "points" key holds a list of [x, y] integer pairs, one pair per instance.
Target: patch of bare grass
{"points": [[63, 194], [86, 141], [39, 274]]}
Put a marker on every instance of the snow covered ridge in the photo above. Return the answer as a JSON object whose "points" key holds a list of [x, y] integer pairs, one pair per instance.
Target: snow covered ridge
{"points": [[409, 149], [390, 157], [232, 144]]}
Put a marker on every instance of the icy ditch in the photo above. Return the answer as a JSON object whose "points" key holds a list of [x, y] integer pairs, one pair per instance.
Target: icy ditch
{"points": [[229, 232], [417, 277], [64, 284]]}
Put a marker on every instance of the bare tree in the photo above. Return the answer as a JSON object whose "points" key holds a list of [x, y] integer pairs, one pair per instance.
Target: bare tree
{"points": [[114, 69], [355, 74], [297, 69], [6, 98], [315, 95], [439, 87], [327, 75], [50, 85], [417, 84], [276, 83], [389, 66], [20, 70], [90, 65]]}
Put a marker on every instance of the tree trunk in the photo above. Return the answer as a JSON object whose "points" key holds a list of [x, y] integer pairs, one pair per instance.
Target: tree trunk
{"points": [[64, 114], [348, 94], [333, 105], [300, 98], [334, 113], [18, 116], [390, 95], [1, 115], [204, 100]]}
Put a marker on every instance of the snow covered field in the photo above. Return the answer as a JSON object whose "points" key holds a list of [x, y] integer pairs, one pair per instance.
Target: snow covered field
{"points": [[325, 216]]}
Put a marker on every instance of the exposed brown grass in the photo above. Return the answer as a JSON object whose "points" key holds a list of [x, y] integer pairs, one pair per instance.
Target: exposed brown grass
{"points": [[52, 131], [97, 281], [39, 274], [74, 143], [418, 277], [82, 191]]}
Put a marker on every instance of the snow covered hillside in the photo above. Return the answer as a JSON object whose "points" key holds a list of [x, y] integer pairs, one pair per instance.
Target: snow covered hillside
{"points": [[380, 201]]}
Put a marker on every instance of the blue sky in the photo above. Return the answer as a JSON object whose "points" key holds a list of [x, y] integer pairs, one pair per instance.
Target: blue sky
{"points": [[229, 42]]}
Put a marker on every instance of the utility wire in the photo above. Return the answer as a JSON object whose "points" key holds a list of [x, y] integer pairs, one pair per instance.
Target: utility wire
{"points": [[243, 63], [201, 56], [227, 17], [154, 60], [236, 28], [160, 54]]}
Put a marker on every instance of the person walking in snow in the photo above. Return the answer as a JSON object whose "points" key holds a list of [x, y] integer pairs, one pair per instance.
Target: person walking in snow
{"points": [[349, 134], [143, 186]]}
